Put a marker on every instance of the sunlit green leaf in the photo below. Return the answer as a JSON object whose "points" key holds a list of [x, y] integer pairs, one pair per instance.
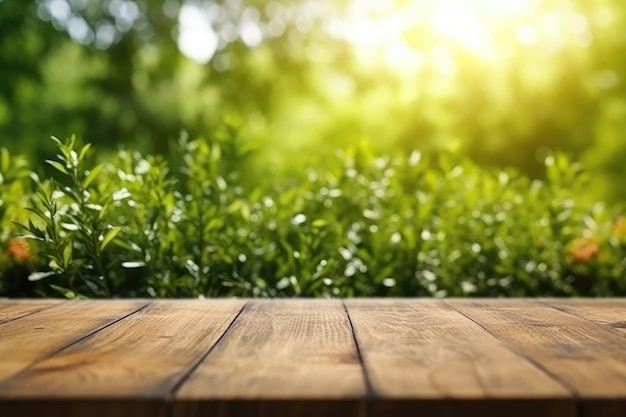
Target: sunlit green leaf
{"points": [[36, 276], [93, 174], [83, 151], [108, 237], [67, 256], [57, 165]]}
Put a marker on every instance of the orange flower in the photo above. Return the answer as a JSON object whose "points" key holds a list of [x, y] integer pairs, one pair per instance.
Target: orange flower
{"points": [[19, 250], [619, 228], [584, 249]]}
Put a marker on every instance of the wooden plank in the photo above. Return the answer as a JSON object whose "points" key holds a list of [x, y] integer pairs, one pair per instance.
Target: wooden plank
{"points": [[590, 359], [280, 358], [129, 369], [32, 338], [608, 312], [12, 309], [423, 357]]}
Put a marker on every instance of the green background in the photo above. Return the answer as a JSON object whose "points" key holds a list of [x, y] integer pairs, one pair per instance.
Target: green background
{"points": [[112, 72]]}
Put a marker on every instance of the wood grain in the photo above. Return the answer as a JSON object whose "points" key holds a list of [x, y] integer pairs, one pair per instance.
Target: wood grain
{"points": [[280, 358], [292, 358], [32, 338], [588, 358], [422, 356], [15, 309], [610, 313], [132, 366]]}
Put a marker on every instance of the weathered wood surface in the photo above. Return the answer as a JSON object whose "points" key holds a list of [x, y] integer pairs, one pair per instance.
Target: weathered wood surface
{"points": [[602, 311], [140, 360], [586, 357], [14, 309], [365, 357], [299, 351], [418, 352], [28, 340]]}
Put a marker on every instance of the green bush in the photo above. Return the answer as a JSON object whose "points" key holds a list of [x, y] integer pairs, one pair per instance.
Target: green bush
{"points": [[192, 225]]}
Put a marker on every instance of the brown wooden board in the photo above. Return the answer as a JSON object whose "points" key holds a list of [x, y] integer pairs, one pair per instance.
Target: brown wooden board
{"points": [[588, 358], [423, 358], [611, 312], [129, 369], [280, 358], [14, 309], [378, 357], [30, 339]]}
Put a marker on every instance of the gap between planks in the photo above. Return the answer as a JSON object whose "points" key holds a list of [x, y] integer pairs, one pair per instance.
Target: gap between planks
{"points": [[281, 357], [421, 354], [32, 354], [347, 318], [587, 355], [29, 307], [170, 412], [569, 387], [125, 369], [371, 393], [608, 314]]}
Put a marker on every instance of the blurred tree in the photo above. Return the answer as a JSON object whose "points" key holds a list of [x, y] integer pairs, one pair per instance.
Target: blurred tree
{"points": [[505, 82], [23, 42]]}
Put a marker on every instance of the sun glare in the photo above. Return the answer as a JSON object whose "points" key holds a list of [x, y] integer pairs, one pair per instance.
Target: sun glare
{"points": [[460, 23], [404, 35], [196, 38], [379, 30]]}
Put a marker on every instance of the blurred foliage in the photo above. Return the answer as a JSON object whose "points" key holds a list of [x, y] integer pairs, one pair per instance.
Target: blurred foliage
{"points": [[16, 258], [502, 82], [469, 100], [365, 225]]}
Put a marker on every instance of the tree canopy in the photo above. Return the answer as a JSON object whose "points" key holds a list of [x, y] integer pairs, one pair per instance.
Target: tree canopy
{"points": [[506, 83]]}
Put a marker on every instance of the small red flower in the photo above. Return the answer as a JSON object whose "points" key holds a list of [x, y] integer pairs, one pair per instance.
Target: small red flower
{"points": [[584, 249], [19, 250]]}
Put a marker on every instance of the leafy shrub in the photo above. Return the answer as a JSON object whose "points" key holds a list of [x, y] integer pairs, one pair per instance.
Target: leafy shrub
{"points": [[361, 225], [16, 256]]}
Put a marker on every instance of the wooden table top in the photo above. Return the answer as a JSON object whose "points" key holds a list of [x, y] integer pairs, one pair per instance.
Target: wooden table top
{"points": [[362, 357]]}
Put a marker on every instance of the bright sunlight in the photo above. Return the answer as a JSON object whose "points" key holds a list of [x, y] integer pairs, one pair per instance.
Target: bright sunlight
{"points": [[402, 33], [485, 29]]}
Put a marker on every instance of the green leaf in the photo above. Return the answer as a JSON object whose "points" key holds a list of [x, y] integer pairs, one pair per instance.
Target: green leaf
{"points": [[71, 227], [214, 223], [67, 255], [108, 237], [245, 212], [54, 265], [67, 293], [5, 160], [36, 276], [39, 214], [32, 228], [92, 175], [83, 151], [319, 223], [57, 165], [128, 246], [216, 156]]}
